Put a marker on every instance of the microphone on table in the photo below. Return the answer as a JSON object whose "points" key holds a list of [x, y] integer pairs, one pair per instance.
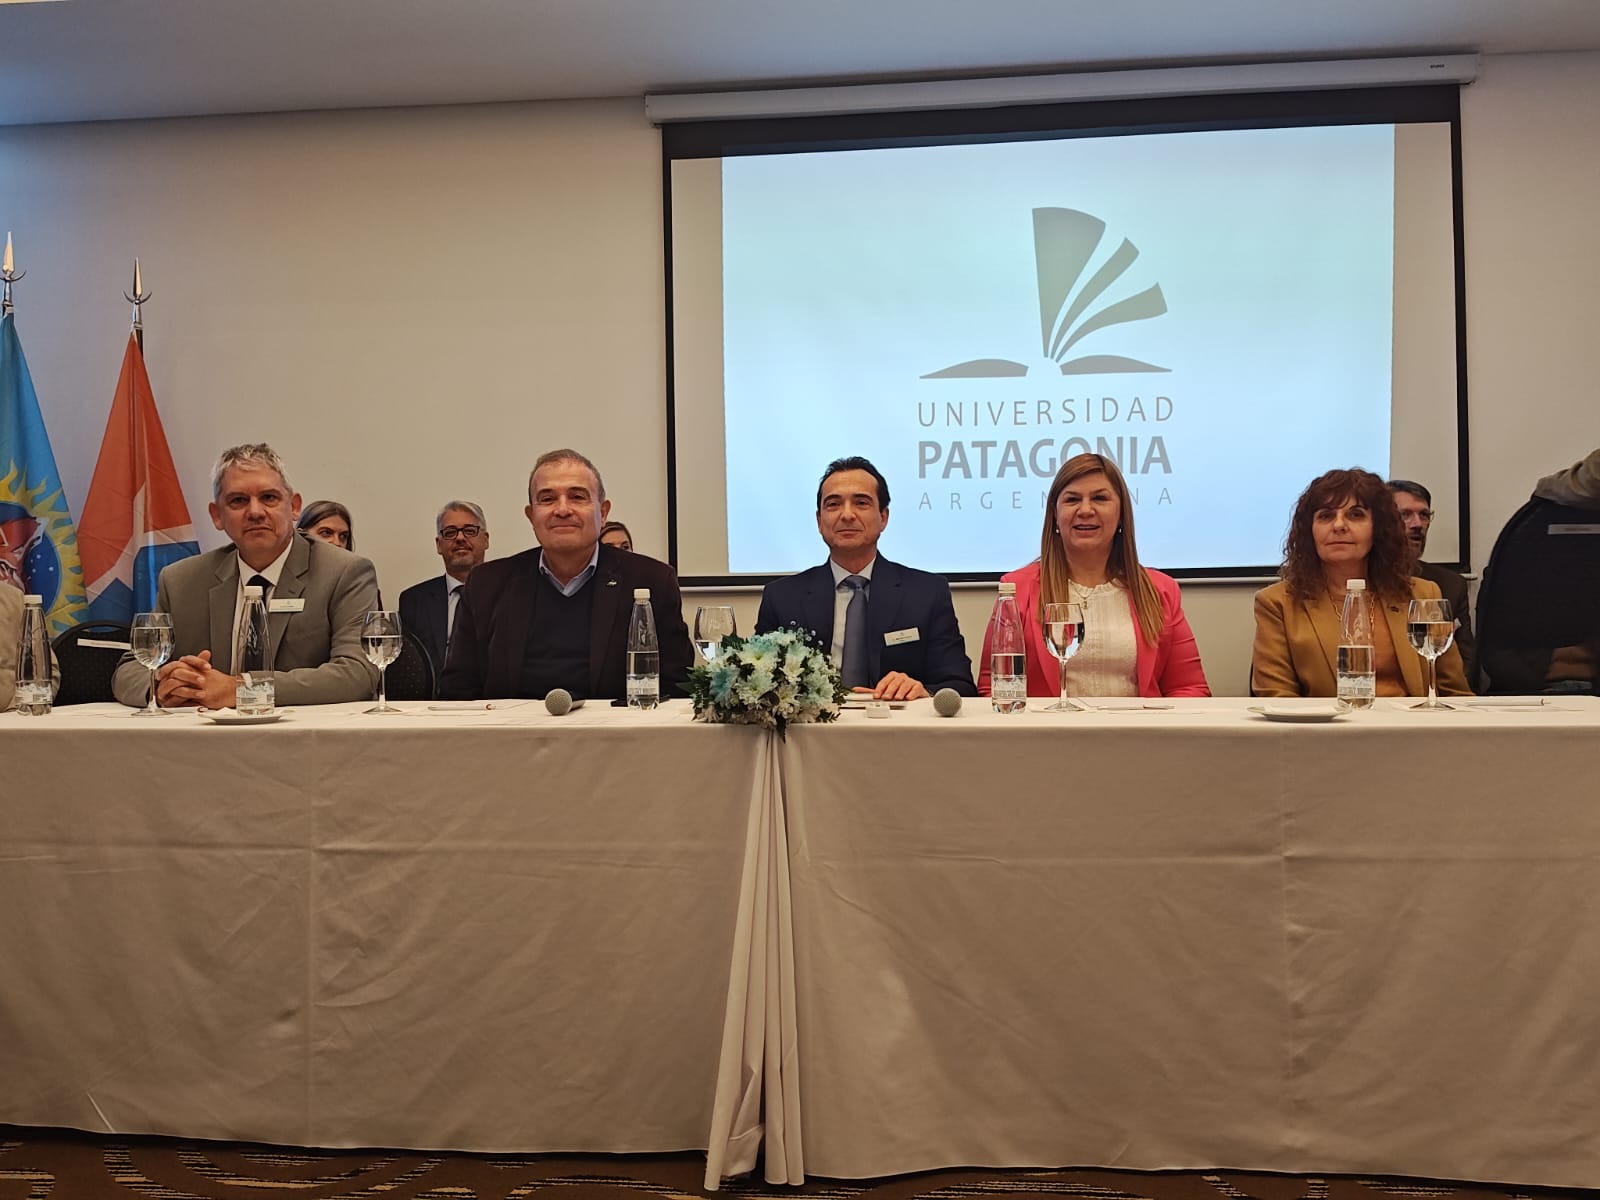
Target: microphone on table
{"points": [[947, 702], [559, 702]]}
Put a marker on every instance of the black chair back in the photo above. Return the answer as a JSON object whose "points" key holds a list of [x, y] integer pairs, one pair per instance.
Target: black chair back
{"points": [[411, 676], [86, 671], [1540, 592]]}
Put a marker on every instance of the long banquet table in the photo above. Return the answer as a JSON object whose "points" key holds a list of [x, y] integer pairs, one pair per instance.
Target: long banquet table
{"points": [[1185, 937], [1139, 937], [474, 929]]}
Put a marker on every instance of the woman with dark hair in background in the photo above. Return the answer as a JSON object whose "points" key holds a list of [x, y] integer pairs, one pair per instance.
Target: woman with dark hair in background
{"points": [[328, 521], [1345, 526]]}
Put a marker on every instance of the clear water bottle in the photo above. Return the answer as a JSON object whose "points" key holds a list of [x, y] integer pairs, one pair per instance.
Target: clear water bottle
{"points": [[34, 691], [1358, 678], [1008, 660], [644, 654], [252, 659]]}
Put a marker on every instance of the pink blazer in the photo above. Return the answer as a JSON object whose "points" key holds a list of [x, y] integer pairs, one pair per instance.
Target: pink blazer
{"points": [[1169, 668]]}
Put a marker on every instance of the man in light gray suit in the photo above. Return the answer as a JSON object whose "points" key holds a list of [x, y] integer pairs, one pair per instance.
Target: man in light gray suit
{"points": [[316, 594]]}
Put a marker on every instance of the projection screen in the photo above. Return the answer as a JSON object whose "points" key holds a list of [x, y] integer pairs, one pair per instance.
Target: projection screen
{"points": [[1227, 295]]}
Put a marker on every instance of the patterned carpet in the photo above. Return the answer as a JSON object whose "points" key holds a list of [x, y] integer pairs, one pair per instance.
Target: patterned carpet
{"points": [[49, 1164]]}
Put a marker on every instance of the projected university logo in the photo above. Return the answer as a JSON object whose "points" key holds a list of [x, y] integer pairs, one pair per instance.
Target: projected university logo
{"points": [[1064, 241]]}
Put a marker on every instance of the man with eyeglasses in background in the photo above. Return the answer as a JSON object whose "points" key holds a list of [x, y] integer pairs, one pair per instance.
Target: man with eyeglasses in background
{"points": [[1416, 510], [428, 609]]}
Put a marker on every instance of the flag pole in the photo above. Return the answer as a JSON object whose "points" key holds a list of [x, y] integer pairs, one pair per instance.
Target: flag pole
{"points": [[10, 276], [138, 297]]}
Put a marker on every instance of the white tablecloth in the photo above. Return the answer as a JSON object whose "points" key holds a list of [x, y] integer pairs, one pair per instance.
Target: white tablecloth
{"points": [[489, 930], [1187, 938], [1144, 938]]}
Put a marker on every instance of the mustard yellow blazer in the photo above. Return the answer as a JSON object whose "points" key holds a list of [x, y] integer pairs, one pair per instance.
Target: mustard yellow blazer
{"points": [[1296, 649]]}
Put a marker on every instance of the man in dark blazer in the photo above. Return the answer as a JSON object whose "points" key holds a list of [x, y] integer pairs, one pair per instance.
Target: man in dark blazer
{"points": [[316, 596], [558, 616], [1416, 510], [428, 609], [908, 643]]}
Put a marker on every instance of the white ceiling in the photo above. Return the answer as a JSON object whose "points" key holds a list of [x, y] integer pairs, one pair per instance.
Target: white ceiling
{"points": [[76, 60]]}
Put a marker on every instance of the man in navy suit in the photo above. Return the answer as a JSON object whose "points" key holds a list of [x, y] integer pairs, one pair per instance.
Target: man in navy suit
{"points": [[428, 609], [891, 630]]}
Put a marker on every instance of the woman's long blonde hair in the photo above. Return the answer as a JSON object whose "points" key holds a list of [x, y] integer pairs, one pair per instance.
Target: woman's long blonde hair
{"points": [[1123, 564]]}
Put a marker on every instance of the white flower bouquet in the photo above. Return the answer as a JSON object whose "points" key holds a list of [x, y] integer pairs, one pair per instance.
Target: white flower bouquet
{"points": [[773, 679]]}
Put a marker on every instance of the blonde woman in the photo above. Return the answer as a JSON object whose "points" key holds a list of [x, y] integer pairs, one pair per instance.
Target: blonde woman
{"points": [[1138, 642]]}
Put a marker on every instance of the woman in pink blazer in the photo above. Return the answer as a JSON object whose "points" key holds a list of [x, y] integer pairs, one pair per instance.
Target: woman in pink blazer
{"points": [[1087, 549]]}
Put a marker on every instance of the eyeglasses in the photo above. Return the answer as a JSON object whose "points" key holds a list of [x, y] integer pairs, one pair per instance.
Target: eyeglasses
{"points": [[451, 532]]}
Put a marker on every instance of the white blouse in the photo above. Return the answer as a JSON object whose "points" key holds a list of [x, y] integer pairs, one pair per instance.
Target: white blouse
{"points": [[1107, 664]]}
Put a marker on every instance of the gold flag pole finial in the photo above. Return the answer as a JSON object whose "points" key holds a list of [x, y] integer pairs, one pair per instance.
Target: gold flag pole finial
{"points": [[10, 275], [138, 297]]}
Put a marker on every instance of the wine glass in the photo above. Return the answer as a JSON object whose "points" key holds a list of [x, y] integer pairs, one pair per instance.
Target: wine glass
{"points": [[151, 639], [712, 623], [380, 641], [1063, 634], [1431, 629]]}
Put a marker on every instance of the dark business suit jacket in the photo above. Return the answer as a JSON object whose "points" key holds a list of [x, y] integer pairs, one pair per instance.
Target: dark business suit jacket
{"points": [[495, 614], [899, 599], [424, 613], [1453, 586]]}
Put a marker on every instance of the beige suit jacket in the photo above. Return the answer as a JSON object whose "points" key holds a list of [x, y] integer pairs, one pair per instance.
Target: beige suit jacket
{"points": [[1297, 646], [316, 652], [10, 636]]}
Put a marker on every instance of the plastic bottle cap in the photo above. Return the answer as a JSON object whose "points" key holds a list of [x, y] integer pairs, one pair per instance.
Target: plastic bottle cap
{"points": [[641, 593], [252, 590], [1008, 589], [39, 600], [1357, 585]]}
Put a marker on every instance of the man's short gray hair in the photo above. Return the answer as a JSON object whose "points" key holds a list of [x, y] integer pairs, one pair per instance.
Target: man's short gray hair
{"points": [[463, 506], [250, 455], [551, 456]]}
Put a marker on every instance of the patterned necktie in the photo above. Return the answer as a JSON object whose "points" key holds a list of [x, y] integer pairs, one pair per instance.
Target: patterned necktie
{"points": [[855, 667]]}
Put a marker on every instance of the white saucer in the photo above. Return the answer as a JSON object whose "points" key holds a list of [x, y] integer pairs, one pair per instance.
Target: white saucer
{"points": [[1309, 716], [230, 716], [863, 699]]}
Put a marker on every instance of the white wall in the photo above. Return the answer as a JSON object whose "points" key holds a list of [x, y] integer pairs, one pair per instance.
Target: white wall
{"points": [[409, 305], [412, 304], [1531, 155]]}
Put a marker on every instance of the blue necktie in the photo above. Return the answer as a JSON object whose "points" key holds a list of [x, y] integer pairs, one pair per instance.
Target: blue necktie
{"points": [[855, 667]]}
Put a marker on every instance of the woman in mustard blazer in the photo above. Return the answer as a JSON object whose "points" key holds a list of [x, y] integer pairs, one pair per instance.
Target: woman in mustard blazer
{"points": [[1345, 527]]}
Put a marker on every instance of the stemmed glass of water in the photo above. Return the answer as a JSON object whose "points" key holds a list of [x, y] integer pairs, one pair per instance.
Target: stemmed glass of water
{"points": [[712, 623], [151, 639], [1063, 634], [380, 641], [1431, 629]]}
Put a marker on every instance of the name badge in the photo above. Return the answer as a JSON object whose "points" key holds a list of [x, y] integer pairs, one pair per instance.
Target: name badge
{"points": [[287, 604], [901, 636]]}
